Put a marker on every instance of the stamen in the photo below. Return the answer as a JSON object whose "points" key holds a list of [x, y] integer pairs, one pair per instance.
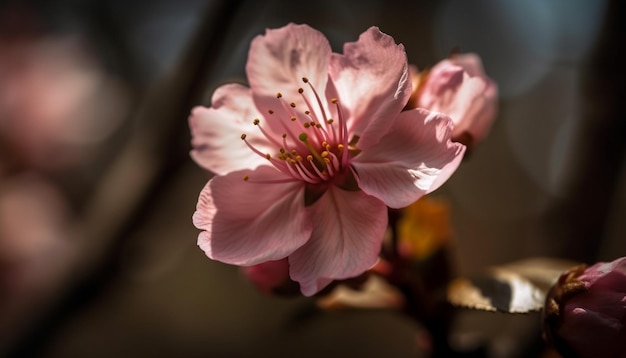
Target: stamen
{"points": [[297, 173], [275, 181], [317, 97], [343, 137], [329, 167], [321, 173], [257, 123], [261, 154]]}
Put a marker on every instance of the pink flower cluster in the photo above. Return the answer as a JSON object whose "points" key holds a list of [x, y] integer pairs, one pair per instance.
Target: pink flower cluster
{"points": [[310, 156]]}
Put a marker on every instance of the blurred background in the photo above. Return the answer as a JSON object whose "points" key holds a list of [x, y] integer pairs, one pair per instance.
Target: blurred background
{"points": [[98, 254]]}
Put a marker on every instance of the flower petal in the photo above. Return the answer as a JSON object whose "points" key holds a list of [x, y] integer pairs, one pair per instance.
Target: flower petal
{"points": [[415, 158], [346, 239], [247, 223], [278, 60], [373, 82], [216, 131]]}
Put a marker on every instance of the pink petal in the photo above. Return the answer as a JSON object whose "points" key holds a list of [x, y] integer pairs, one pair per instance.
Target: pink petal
{"points": [[216, 131], [415, 158], [247, 223], [373, 82], [278, 60], [470, 62], [346, 239]]}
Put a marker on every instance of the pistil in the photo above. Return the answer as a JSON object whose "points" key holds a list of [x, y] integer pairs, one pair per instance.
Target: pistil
{"points": [[318, 158]]}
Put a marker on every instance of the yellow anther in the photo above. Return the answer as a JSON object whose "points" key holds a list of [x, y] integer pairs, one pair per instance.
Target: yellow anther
{"points": [[293, 118], [256, 121], [282, 150], [299, 158], [278, 95], [327, 160], [309, 157], [334, 100], [245, 178], [292, 161], [340, 146], [294, 152], [324, 154], [324, 143], [243, 136]]}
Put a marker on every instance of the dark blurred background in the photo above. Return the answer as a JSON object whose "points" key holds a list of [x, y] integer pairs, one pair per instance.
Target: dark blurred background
{"points": [[98, 255]]}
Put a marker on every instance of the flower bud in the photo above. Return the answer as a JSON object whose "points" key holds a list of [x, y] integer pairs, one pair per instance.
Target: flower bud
{"points": [[585, 313], [272, 278]]}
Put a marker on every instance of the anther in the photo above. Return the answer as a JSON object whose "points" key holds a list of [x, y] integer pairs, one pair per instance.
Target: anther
{"points": [[306, 124], [293, 105], [278, 95], [270, 111], [243, 136], [245, 178], [330, 121], [305, 80], [256, 121], [293, 118], [268, 156], [334, 100], [300, 90]]}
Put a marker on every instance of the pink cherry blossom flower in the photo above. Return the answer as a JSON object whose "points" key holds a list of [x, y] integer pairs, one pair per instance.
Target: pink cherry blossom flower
{"points": [[309, 157], [458, 87]]}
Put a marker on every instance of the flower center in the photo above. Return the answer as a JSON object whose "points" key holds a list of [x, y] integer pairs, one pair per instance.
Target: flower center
{"points": [[313, 148]]}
